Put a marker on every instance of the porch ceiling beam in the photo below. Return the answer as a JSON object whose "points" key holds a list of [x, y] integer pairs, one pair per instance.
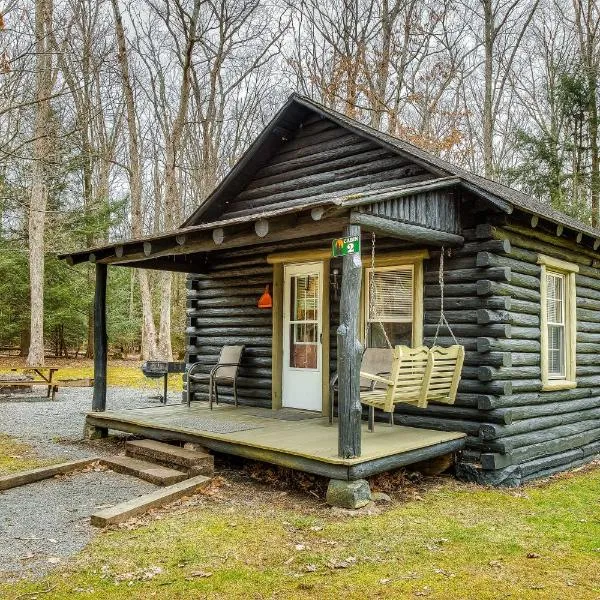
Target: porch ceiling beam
{"points": [[405, 231], [288, 228]]}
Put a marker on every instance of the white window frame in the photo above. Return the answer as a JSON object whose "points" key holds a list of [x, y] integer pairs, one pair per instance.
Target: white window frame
{"points": [[567, 271]]}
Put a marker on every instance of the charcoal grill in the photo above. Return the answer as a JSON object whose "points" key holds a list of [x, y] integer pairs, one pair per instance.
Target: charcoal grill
{"points": [[155, 369]]}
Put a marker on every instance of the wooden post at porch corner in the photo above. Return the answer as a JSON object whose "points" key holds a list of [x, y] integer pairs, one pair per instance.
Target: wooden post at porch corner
{"points": [[349, 354], [100, 339]]}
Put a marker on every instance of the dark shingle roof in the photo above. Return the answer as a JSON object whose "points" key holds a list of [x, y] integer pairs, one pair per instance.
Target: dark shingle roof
{"points": [[503, 192]]}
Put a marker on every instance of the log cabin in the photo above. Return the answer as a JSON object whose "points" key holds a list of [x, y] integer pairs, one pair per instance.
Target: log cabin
{"points": [[520, 289]]}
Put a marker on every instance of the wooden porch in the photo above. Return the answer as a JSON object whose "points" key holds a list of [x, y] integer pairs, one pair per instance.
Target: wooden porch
{"points": [[295, 439]]}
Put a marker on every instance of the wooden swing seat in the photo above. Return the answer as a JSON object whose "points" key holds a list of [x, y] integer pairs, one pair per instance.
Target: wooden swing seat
{"points": [[417, 376]]}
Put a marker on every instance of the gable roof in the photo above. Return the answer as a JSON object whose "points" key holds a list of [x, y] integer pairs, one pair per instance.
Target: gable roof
{"points": [[289, 118]]}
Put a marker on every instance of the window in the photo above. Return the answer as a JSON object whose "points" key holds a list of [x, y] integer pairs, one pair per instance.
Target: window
{"points": [[393, 305], [558, 323]]}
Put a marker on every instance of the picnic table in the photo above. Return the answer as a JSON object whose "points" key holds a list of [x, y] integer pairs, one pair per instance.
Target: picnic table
{"points": [[43, 376]]}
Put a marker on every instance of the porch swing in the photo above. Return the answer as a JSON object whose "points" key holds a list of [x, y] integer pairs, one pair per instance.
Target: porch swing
{"points": [[416, 375]]}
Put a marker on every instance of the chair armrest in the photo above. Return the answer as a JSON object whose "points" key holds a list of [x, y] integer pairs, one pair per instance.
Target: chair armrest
{"points": [[217, 367], [376, 378], [192, 367]]}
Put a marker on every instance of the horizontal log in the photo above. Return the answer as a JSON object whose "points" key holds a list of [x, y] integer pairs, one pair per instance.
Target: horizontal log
{"points": [[589, 316], [231, 340], [492, 388], [517, 434], [231, 320], [439, 424], [471, 275], [485, 317], [493, 246], [472, 331], [494, 288], [519, 413], [582, 433], [487, 259], [210, 283], [316, 160], [442, 340], [405, 231], [462, 290], [533, 398], [494, 359], [489, 344], [453, 316], [526, 385], [525, 359], [331, 189], [252, 332], [486, 373], [373, 162], [493, 303], [455, 412]]}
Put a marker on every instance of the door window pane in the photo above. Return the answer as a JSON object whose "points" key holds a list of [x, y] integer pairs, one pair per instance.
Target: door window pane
{"points": [[304, 321]]}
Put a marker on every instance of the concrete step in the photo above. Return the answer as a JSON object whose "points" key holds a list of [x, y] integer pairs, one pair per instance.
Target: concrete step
{"points": [[147, 471], [125, 510], [193, 461]]}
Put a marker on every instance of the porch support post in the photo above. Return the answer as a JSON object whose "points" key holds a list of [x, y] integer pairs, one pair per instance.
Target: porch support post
{"points": [[100, 340], [349, 354]]}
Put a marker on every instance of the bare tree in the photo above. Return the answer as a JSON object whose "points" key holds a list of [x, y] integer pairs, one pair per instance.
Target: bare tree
{"points": [[39, 190], [149, 337]]}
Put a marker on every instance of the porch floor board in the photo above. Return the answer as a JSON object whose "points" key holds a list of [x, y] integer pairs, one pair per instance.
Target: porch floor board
{"points": [[297, 440]]}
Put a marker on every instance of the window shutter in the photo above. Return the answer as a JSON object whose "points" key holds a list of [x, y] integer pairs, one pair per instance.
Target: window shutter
{"points": [[392, 295]]}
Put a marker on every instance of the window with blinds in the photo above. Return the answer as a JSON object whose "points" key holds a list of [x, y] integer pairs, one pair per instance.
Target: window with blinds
{"points": [[558, 323], [389, 306], [555, 311]]}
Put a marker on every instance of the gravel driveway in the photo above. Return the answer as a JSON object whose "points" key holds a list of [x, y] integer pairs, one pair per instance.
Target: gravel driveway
{"points": [[44, 523], [44, 424]]}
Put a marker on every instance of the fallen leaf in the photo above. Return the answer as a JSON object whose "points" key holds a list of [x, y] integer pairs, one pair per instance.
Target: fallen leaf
{"points": [[200, 574], [533, 555], [300, 547], [310, 568], [384, 581], [53, 560]]}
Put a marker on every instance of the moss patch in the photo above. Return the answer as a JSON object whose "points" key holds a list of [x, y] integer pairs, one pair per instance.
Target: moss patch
{"points": [[449, 541]]}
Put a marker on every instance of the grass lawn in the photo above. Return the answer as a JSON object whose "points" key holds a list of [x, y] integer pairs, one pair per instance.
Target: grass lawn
{"points": [[122, 373], [18, 456], [441, 539]]}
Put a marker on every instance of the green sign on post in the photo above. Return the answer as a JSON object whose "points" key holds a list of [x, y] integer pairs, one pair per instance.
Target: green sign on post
{"points": [[345, 245]]}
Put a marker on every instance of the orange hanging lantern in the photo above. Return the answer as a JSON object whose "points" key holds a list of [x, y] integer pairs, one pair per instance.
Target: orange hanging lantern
{"points": [[265, 301]]}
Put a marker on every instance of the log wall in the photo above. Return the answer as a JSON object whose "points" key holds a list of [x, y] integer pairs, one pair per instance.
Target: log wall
{"points": [[322, 160], [222, 309]]}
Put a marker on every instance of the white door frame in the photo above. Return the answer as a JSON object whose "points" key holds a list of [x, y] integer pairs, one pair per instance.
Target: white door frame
{"points": [[302, 388]]}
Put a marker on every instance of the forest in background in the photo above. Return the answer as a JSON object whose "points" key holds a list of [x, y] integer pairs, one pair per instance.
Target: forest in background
{"points": [[118, 117]]}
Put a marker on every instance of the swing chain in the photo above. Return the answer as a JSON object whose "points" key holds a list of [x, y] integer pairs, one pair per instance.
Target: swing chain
{"points": [[442, 320], [372, 292]]}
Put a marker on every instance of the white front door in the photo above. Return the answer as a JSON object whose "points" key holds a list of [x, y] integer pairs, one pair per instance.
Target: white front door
{"points": [[302, 350]]}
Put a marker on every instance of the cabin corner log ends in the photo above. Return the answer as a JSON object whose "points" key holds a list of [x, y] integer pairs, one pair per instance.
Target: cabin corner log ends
{"points": [[100, 339], [349, 354]]}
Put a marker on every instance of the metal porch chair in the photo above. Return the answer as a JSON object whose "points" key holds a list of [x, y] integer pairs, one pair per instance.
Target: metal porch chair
{"points": [[225, 372]]}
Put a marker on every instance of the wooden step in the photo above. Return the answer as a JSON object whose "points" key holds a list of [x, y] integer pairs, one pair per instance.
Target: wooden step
{"points": [[195, 462], [147, 471], [125, 510]]}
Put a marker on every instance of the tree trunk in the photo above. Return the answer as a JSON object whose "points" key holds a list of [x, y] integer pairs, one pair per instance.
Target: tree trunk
{"points": [[488, 99], [149, 341], [39, 189]]}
